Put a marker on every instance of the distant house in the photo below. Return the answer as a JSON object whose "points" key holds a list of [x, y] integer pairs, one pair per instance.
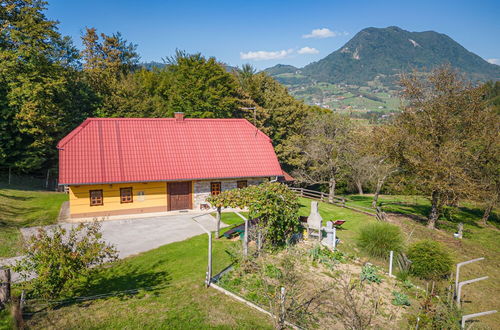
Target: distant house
{"points": [[115, 166]]}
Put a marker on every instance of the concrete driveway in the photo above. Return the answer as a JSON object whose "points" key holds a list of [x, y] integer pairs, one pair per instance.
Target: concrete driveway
{"points": [[133, 236]]}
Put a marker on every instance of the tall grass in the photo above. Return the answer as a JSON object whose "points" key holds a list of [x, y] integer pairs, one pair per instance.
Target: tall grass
{"points": [[377, 239]]}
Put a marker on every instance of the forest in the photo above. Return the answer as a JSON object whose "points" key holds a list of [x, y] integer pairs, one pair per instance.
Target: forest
{"points": [[443, 144]]}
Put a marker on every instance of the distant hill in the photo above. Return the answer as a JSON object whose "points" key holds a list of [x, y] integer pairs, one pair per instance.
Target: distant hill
{"points": [[385, 52], [151, 65], [280, 69]]}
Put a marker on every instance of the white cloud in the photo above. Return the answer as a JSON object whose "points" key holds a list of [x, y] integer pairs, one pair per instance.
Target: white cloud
{"points": [[494, 61], [262, 55], [308, 50], [324, 33]]}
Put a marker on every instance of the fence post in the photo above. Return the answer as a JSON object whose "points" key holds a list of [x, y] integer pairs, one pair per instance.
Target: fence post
{"points": [[4, 286], [391, 256]]}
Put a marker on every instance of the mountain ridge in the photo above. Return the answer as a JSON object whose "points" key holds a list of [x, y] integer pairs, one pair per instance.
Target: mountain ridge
{"points": [[384, 53]]}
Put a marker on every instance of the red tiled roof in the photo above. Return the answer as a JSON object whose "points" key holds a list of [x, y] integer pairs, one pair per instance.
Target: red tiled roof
{"points": [[287, 177], [111, 150]]}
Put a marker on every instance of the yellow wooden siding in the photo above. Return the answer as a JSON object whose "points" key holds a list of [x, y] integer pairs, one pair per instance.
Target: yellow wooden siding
{"points": [[155, 195]]}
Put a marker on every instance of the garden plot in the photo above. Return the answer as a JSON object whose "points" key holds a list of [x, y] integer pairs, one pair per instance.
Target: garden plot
{"points": [[310, 285]]}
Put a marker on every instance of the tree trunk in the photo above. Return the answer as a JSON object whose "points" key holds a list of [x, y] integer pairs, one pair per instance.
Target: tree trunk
{"points": [[380, 183], [434, 215], [359, 185], [331, 190], [487, 213]]}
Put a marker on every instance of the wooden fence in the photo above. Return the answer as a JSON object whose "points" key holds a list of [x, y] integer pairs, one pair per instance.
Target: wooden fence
{"points": [[339, 201]]}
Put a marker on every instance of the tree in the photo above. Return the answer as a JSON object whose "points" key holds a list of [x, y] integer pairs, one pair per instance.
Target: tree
{"points": [[323, 147], [38, 75], [274, 204], [381, 164], [57, 260], [107, 60], [433, 134], [200, 87], [486, 146], [278, 114]]}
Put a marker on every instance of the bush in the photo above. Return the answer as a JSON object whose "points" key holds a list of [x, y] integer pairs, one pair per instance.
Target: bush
{"points": [[429, 260], [369, 273], [61, 259], [274, 204], [400, 299], [377, 239]]}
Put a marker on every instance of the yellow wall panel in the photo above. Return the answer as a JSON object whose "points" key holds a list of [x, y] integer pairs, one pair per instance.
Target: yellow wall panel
{"points": [[155, 195]]}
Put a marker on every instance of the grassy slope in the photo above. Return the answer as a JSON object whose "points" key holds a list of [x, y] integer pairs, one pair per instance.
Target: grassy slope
{"points": [[183, 303], [24, 208], [478, 242]]}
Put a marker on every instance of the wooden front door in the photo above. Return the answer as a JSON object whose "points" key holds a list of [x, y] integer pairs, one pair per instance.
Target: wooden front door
{"points": [[179, 196]]}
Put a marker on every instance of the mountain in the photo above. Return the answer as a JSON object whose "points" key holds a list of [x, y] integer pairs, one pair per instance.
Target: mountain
{"points": [[383, 53], [280, 69]]}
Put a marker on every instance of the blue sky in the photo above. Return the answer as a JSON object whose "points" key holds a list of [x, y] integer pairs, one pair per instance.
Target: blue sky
{"points": [[265, 33]]}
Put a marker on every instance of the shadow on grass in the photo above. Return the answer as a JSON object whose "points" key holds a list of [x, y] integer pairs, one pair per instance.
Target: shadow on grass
{"points": [[119, 281], [124, 278], [17, 198]]}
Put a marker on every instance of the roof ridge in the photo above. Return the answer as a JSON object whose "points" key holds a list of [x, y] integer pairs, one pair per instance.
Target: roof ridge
{"points": [[73, 133], [161, 119]]}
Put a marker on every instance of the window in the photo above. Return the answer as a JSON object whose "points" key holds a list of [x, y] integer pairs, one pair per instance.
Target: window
{"points": [[126, 195], [140, 196], [96, 197], [241, 184], [215, 188]]}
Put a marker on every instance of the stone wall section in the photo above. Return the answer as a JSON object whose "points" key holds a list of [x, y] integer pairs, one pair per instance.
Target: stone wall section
{"points": [[202, 188]]}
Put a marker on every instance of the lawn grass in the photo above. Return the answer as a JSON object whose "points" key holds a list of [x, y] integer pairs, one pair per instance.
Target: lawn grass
{"points": [[181, 302], [349, 231], [25, 208]]}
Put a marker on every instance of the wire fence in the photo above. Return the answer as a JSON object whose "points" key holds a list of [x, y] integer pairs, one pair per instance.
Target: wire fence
{"points": [[339, 201], [46, 180]]}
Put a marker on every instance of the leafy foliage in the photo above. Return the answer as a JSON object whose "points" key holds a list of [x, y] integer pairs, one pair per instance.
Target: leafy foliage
{"points": [[370, 273], [429, 260], [377, 239], [42, 94], [440, 136], [273, 204], [60, 259], [400, 299]]}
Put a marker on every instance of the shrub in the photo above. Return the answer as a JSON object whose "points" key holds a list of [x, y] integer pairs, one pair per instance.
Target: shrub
{"points": [[400, 299], [274, 204], [61, 259], [377, 239], [370, 274], [429, 260]]}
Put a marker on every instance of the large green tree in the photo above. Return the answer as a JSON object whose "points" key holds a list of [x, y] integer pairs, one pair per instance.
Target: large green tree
{"points": [[435, 136], [42, 95]]}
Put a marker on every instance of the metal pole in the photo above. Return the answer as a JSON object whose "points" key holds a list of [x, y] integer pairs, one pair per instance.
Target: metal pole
{"points": [[209, 273], [245, 237], [457, 274], [470, 316], [391, 255], [461, 284]]}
